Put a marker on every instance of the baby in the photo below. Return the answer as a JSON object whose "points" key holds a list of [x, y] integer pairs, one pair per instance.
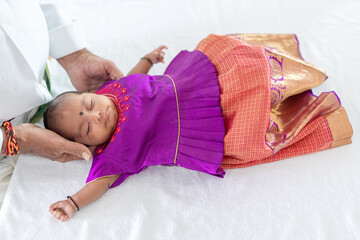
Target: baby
{"points": [[90, 119], [227, 104]]}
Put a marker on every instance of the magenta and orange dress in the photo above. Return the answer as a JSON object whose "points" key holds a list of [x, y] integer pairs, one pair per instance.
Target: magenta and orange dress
{"points": [[235, 101]]}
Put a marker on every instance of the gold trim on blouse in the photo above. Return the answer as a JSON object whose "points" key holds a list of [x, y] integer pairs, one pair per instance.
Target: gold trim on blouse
{"points": [[178, 111], [107, 176]]}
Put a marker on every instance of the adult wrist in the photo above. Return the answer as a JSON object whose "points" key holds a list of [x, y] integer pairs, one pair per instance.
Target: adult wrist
{"points": [[21, 137], [69, 60]]}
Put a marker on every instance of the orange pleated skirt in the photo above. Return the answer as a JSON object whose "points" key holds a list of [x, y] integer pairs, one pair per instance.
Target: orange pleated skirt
{"points": [[270, 112]]}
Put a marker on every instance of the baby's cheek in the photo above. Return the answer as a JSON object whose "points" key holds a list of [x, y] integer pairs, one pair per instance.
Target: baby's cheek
{"points": [[100, 136]]}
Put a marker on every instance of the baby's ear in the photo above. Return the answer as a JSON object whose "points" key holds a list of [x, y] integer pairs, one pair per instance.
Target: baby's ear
{"points": [[91, 148]]}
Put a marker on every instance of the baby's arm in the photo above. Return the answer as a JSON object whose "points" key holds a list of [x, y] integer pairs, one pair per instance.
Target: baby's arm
{"points": [[148, 60], [64, 210]]}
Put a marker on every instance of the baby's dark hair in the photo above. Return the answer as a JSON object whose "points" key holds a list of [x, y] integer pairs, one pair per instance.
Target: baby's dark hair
{"points": [[50, 115]]}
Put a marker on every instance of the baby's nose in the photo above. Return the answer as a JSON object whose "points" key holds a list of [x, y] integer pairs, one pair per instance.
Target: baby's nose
{"points": [[95, 116]]}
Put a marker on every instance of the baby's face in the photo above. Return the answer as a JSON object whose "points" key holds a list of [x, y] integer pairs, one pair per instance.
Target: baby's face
{"points": [[87, 118]]}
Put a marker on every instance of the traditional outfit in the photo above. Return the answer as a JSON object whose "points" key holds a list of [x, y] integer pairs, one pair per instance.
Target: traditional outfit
{"points": [[233, 102]]}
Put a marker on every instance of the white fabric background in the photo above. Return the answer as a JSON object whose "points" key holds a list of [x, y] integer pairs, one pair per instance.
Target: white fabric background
{"points": [[309, 197]]}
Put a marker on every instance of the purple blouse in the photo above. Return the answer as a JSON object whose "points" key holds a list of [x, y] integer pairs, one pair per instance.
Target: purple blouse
{"points": [[171, 119]]}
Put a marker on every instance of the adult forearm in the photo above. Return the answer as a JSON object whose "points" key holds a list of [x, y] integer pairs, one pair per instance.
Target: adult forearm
{"points": [[68, 61]]}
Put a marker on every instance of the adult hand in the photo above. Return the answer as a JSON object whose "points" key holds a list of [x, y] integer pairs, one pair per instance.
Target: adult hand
{"points": [[87, 71], [35, 140]]}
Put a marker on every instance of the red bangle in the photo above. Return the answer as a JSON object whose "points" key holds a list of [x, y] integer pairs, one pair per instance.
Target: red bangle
{"points": [[12, 147]]}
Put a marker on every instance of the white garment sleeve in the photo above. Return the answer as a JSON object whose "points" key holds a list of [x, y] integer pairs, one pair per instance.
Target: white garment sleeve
{"points": [[65, 35], [1, 140]]}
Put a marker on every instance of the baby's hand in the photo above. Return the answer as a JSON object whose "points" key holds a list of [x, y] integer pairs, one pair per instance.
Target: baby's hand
{"points": [[62, 210], [157, 55]]}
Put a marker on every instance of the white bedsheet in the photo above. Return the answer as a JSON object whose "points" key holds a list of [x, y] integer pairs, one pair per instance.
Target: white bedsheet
{"points": [[309, 197]]}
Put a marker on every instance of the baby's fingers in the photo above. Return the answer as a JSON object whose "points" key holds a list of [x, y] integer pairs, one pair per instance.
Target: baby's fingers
{"points": [[64, 218], [55, 205], [60, 214], [160, 57], [160, 48], [56, 213]]}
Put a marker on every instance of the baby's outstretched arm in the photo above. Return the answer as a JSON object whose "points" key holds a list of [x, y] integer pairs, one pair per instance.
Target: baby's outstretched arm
{"points": [[145, 63], [64, 210]]}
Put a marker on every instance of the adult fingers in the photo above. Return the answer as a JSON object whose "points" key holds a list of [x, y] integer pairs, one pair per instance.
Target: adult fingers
{"points": [[112, 70], [77, 150], [66, 157]]}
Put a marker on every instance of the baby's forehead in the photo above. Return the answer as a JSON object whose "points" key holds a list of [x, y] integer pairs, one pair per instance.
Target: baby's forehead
{"points": [[71, 96], [73, 99], [67, 102]]}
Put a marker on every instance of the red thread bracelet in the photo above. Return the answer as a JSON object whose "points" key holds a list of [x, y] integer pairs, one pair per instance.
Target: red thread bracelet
{"points": [[11, 148]]}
